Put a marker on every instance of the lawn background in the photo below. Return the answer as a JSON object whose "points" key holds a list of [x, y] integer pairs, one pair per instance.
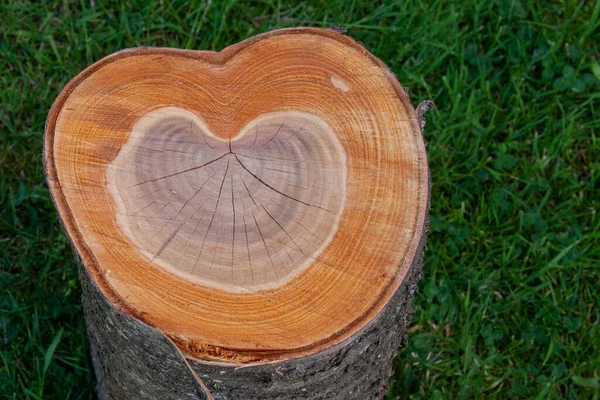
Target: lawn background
{"points": [[508, 307]]}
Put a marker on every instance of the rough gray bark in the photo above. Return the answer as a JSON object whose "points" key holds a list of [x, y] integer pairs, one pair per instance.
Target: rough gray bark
{"points": [[133, 360]]}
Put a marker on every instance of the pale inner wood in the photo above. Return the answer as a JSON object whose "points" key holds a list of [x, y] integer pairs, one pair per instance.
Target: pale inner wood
{"points": [[240, 211]]}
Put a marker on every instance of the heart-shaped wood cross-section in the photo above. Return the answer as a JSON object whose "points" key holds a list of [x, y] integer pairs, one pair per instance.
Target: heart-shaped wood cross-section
{"points": [[255, 204], [243, 213]]}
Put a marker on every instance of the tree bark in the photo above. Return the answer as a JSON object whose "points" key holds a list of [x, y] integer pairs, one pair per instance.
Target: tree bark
{"points": [[249, 224]]}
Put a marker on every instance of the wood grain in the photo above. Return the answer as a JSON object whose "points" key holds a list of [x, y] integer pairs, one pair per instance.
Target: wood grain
{"points": [[241, 214], [256, 204]]}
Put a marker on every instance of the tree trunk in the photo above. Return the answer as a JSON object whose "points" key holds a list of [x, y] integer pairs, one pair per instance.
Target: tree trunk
{"points": [[249, 223]]}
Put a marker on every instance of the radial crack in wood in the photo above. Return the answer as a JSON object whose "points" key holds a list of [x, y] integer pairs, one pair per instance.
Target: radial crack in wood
{"points": [[226, 212], [264, 206]]}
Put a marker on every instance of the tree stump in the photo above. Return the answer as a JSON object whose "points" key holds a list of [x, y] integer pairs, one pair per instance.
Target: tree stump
{"points": [[249, 223]]}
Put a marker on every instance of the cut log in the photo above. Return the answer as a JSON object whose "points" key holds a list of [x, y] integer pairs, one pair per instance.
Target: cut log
{"points": [[249, 223]]}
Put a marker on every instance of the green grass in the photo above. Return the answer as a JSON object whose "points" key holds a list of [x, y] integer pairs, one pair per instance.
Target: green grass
{"points": [[508, 307]]}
